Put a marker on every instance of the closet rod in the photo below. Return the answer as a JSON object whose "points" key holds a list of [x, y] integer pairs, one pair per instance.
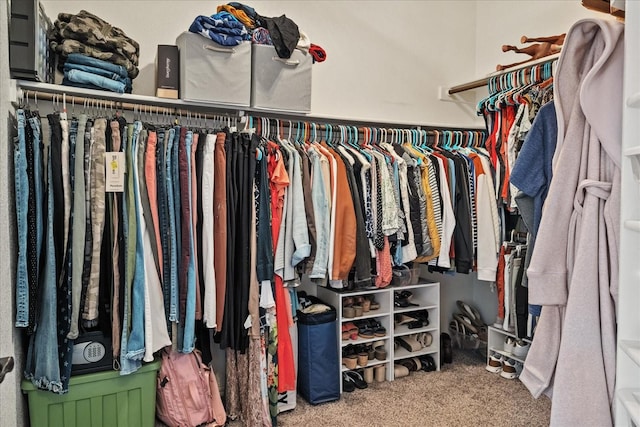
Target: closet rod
{"points": [[80, 101], [485, 80], [362, 128], [48, 92]]}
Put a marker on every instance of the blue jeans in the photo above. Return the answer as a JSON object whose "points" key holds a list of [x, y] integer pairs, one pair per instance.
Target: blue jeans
{"points": [[171, 274], [99, 72], [85, 78], [135, 346], [22, 205], [38, 181], [42, 366], [80, 59], [190, 315], [127, 365]]}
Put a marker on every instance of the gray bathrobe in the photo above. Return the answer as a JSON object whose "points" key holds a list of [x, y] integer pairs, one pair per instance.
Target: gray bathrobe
{"points": [[574, 267]]}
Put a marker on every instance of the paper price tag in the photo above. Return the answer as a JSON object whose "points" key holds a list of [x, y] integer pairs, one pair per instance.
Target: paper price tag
{"points": [[114, 170]]}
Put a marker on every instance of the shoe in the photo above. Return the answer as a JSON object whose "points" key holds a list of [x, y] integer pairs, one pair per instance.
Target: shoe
{"points": [[509, 344], [409, 343], [404, 319], [368, 375], [400, 371], [380, 373], [472, 313], [363, 359], [348, 311], [357, 379], [365, 303], [466, 322], [371, 352], [521, 349], [446, 352], [425, 339], [428, 364], [412, 364], [347, 383], [380, 352], [352, 330], [351, 362], [511, 369], [378, 329], [374, 305], [358, 310], [402, 299], [494, 364]]}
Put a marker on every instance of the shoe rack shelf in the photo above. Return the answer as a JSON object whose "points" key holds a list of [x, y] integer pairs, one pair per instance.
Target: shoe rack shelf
{"points": [[425, 296], [495, 343], [371, 363]]}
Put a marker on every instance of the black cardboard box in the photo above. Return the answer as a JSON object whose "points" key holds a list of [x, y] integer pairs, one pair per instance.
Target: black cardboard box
{"points": [[167, 71]]}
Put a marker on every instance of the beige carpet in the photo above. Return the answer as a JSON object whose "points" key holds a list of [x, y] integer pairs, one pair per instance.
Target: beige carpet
{"points": [[461, 394]]}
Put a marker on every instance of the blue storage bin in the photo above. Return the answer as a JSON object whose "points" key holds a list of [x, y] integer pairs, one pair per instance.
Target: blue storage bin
{"points": [[318, 361]]}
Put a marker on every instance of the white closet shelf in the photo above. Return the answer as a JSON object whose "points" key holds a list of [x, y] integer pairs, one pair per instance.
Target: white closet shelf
{"points": [[632, 348], [370, 363], [363, 340], [403, 353], [72, 92], [401, 330], [633, 101], [630, 399], [214, 108], [632, 224], [505, 354]]}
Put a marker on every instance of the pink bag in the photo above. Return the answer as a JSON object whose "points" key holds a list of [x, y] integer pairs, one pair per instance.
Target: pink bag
{"points": [[187, 392]]}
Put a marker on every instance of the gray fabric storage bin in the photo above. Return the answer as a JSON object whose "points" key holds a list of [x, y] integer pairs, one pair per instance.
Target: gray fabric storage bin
{"points": [[280, 84], [214, 73]]}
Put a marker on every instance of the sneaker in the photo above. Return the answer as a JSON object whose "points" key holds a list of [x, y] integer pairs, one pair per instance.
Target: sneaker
{"points": [[494, 364], [511, 369], [521, 349], [509, 344]]}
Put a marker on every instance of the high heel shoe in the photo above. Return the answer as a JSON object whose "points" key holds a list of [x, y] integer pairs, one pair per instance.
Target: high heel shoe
{"points": [[380, 373]]}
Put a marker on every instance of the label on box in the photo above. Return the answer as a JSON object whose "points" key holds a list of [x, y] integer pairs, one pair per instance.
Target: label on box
{"points": [[115, 170]]}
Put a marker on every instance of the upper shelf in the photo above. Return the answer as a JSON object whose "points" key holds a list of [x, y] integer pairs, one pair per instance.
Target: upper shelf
{"points": [[485, 80], [128, 101], [128, 98]]}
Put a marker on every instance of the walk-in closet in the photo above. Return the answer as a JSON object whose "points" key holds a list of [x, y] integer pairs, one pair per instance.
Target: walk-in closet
{"points": [[363, 213]]}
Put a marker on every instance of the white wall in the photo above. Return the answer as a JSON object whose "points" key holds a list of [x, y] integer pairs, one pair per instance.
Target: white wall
{"points": [[501, 22], [385, 59]]}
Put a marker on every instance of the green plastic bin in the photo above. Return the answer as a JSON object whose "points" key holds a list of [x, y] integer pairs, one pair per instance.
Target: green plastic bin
{"points": [[103, 399]]}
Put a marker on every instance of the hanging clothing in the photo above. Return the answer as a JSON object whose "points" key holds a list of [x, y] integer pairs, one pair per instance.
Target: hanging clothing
{"points": [[573, 272]]}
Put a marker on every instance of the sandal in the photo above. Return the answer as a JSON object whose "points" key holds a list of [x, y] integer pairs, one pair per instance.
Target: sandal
{"points": [[365, 303], [425, 339], [346, 332], [403, 319], [402, 299], [380, 352], [378, 329], [471, 312], [348, 311], [409, 343], [466, 322], [364, 330], [373, 304], [400, 371], [353, 330]]}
